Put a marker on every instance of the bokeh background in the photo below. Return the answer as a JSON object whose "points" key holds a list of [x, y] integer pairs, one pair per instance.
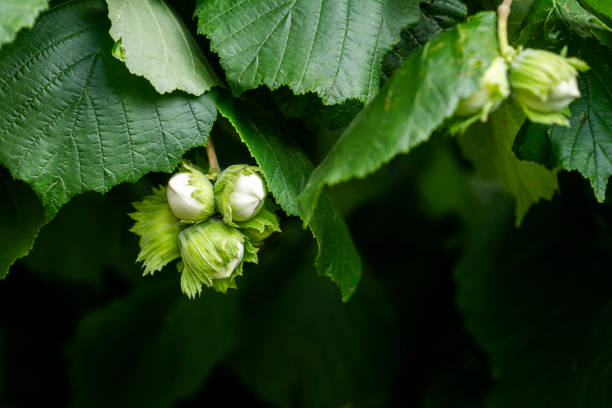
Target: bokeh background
{"points": [[456, 307]]}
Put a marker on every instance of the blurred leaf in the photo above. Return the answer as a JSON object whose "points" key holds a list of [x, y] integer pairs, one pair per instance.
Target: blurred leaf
{"points": [[76, 120], [586, 145], [549, 21], [436, 17], [331, 48], [422, 93], [444, 183], [88, 236], [321, 353], [489, 147], [21, 217], [600, 6], [159, 47], [538, 300], [152, 348], [16, 15], [286, 168]]}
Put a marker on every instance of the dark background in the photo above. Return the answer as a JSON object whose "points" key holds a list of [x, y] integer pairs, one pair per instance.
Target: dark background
{"points": [[80, 325]]}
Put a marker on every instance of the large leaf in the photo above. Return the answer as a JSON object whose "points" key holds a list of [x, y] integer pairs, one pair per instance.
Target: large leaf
{"points": [[21, 217], [157, 45], [551, 21], [73, 119], [586, 145], [541, 311], [489, 147], [151, 349], [286, 169], [422, 93], [333, 48], [18, 14]]}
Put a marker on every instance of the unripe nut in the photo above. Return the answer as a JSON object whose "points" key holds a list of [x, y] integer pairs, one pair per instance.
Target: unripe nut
{"points": [[191, 196]]}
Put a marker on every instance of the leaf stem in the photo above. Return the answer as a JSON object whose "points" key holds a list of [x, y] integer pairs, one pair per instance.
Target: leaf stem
{"points": [[503, 11], [213, 163]]}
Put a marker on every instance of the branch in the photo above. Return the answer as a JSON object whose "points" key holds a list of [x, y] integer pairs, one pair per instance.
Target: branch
{"points": [[503, 11], [213, 163]]}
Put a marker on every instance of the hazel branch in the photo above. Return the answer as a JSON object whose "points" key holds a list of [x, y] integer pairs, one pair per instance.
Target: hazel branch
{"points": [[212, 156], [503, 11]]}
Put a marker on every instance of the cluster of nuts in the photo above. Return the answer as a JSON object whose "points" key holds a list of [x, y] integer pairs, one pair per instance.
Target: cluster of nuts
{"points": [[213, 222], [542, 83]]}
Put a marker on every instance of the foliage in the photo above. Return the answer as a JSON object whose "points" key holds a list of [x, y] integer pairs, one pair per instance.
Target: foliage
{"points": [[470, 259]]}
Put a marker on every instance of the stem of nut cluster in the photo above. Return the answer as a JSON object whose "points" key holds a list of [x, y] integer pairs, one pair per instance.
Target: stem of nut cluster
{"points": [[503, 11], [213, 163]]}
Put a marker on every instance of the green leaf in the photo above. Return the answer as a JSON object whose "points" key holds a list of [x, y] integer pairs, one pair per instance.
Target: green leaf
{"points": [[333, 48], [87, 239], [436, 17], [422, 93], [151, 348], [600, 6], [489, 147], [159, 47], [286, 168], [72, 118], [548, 21], [21, 217], [541, 310], [18, 14], [321, 353], [586, 145]]}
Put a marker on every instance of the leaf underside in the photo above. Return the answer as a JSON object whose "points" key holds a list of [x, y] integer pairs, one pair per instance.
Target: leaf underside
{"points": [[422, 93], [333, 48], [159, 46], [73, 119]]}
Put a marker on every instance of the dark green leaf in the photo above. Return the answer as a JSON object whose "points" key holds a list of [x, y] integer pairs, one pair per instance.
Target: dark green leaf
{"points": [[73, 119], [321, 353], [151, 349], [422, 93], [436, 17], [333, 48], [600, 6], [586, 145], [551, 21], [538, 300], [286, 169], [489, 147], [158, 46], [18, 14], [21, 217], [89, 237]]}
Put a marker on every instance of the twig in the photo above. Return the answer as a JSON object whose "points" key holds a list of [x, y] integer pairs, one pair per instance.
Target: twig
{"points": [[503, 11], [212, 156]]}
